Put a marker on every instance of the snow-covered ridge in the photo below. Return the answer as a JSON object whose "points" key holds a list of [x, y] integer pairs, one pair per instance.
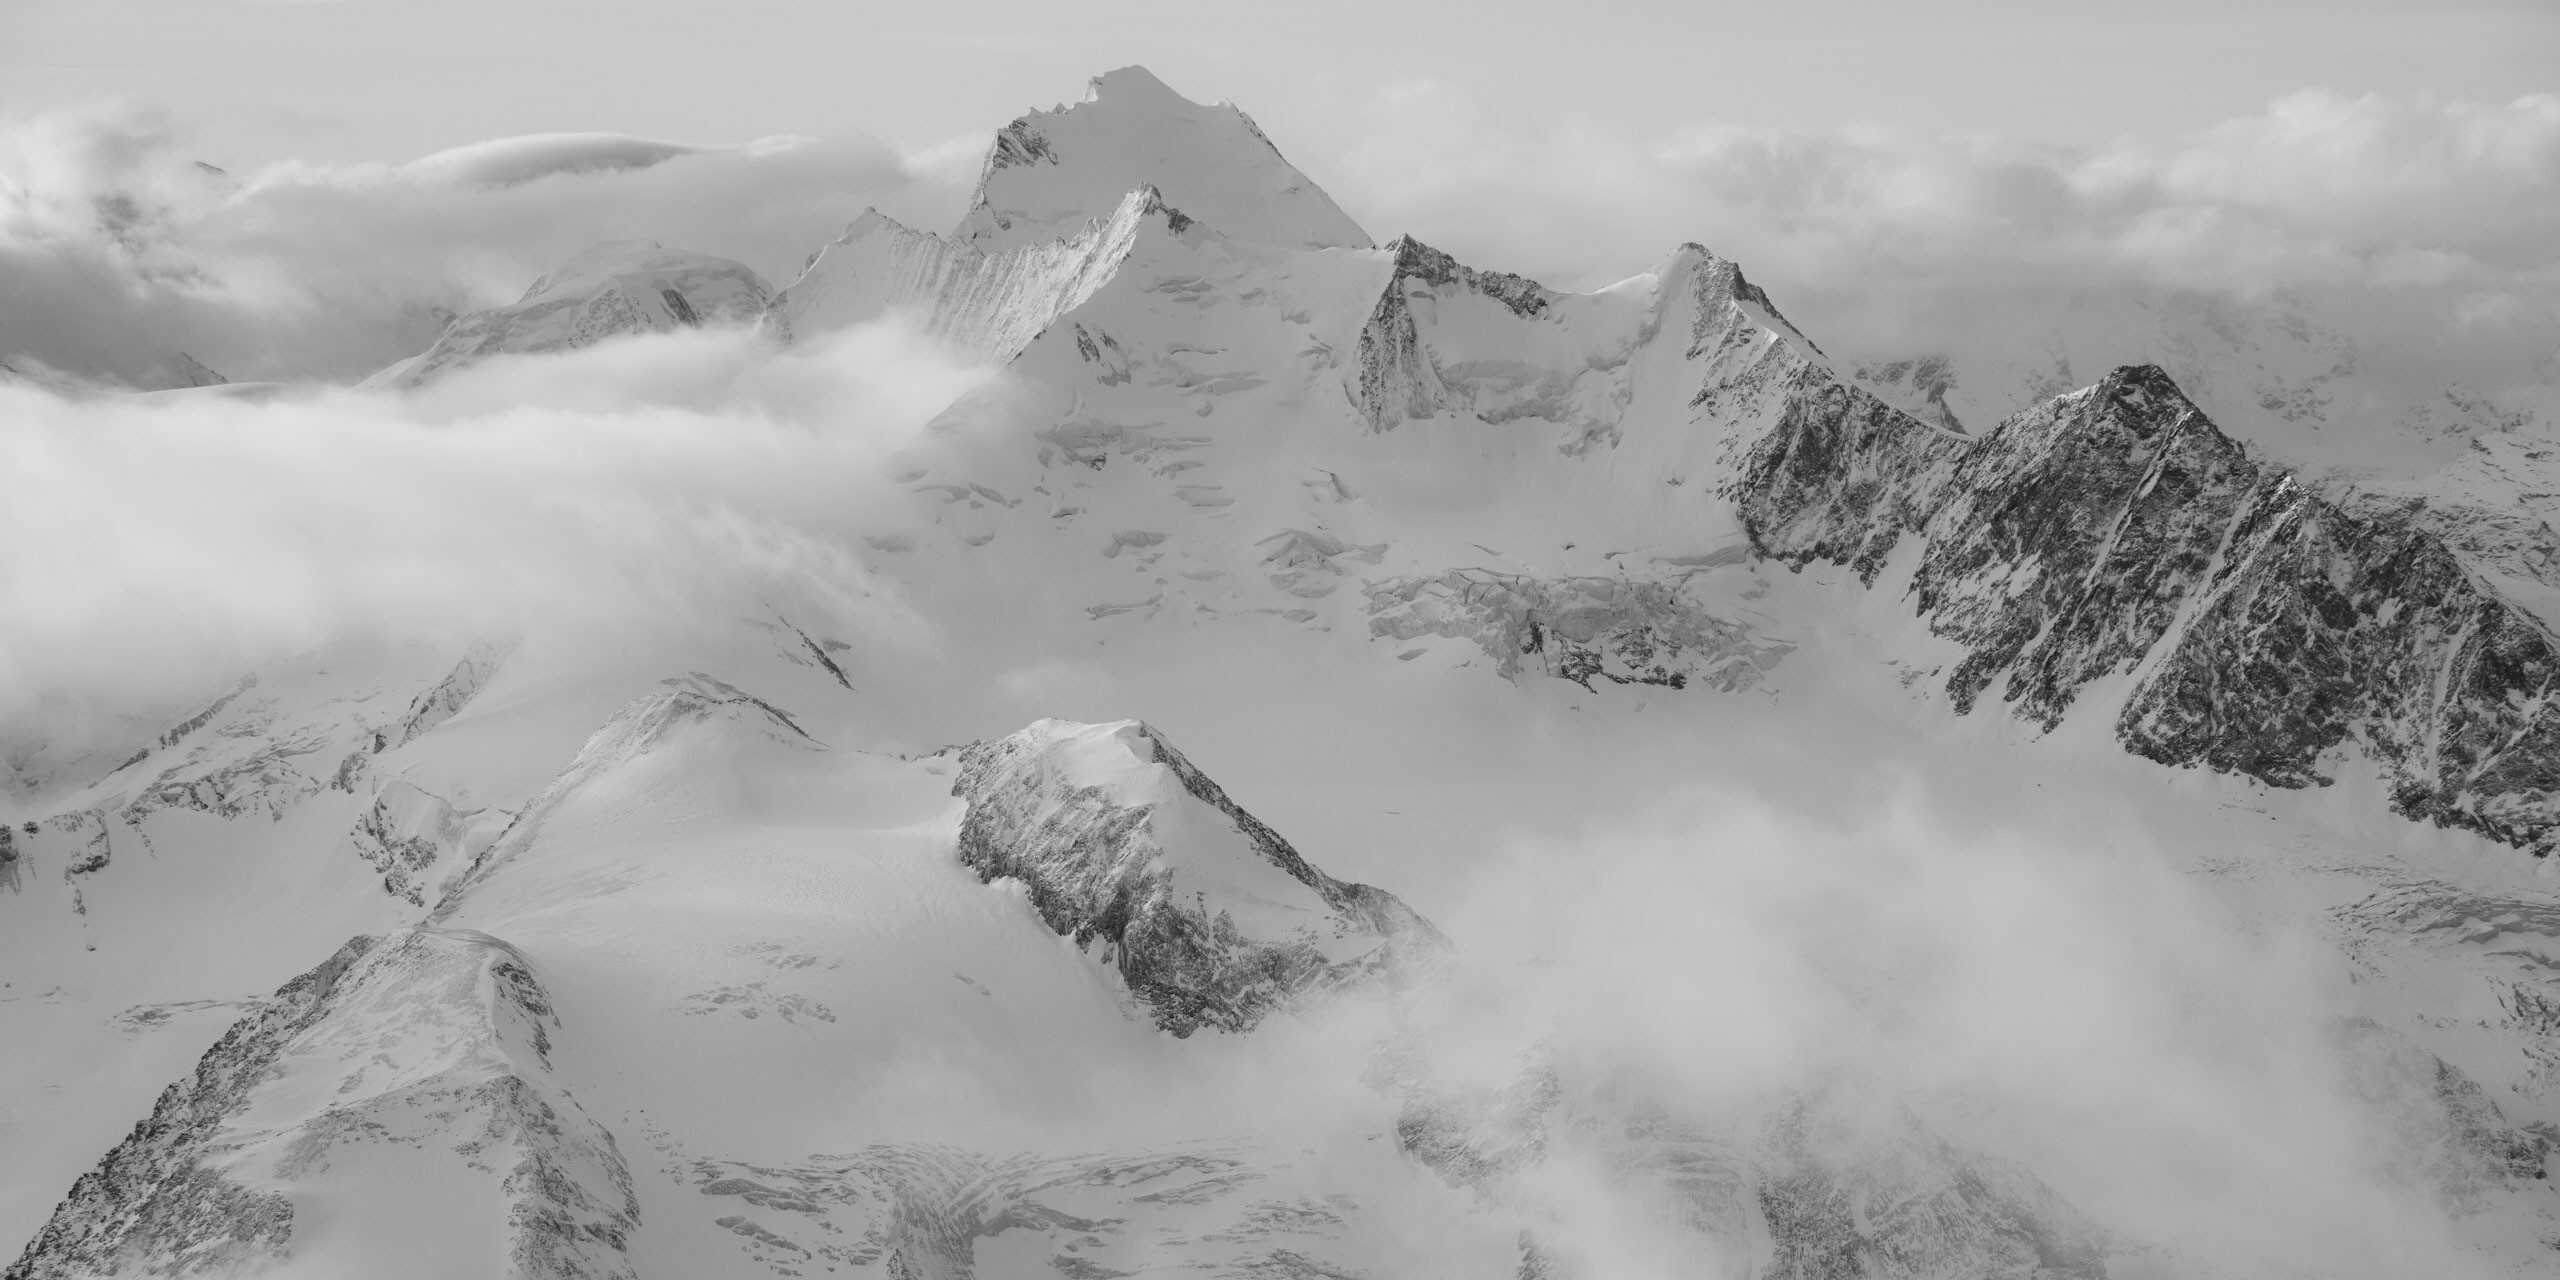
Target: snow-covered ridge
{"points": [[643, 726], [1050, 170], [2117, 532], [1415, 475], [392, 1075], [989, 303], [616, 288], [1211, 918], [1447, 338]]}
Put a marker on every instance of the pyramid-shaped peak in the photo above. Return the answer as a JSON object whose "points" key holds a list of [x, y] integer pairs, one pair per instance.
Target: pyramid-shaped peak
{"points": [[1052, 170], [1134, 84]]}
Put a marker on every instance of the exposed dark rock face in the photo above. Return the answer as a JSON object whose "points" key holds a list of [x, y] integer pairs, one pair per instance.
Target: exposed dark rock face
{"points": [[1584, 629], [2443, 1132], [1418, 261], [1397, 377], [1019, 143], [403, 836], [808, 651], [1079, 815], [441, 701], [2111, 539], [156, 1195], [922, 1212], [182, 1194], [2115, 532], [97, 852]]}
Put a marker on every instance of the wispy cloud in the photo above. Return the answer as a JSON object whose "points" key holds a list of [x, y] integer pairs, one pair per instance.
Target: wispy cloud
{"points": [[2429, 221], [118, 249], [157, 545]]}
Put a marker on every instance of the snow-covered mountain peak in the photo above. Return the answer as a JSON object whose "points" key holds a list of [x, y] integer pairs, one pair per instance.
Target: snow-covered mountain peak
{"points": [[1720, 280], [1136, 84], [1051, 170], [1211, 917], [614, 288], [989, 303]]}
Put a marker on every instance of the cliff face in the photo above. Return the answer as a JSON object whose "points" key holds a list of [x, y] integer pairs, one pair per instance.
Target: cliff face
{"points": [[2116, 532], [436, 1042], [1211, 918], [2111, 542]]}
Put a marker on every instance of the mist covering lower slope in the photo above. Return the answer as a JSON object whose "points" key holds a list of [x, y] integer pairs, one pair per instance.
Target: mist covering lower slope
{"points": [[1808, 839]]}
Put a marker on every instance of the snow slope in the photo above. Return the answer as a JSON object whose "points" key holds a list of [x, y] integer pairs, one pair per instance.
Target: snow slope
{"points": [[742, 950], [616, 288], [1051, 170], [987, 303]]}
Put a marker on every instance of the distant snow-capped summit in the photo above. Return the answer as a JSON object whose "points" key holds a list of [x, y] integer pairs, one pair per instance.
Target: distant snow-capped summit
{"points": [[1049, 171], [988, 302], [618, 287], [761, 955]]}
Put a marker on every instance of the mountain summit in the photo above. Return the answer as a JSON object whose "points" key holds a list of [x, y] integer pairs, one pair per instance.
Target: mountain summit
{"points": [[1050, 171], [699, 949]]}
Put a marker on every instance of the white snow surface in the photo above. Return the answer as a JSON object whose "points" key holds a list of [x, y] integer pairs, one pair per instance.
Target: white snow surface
{"points": [[1051, 170], [618, 288], [986, 303], [765, 995]]}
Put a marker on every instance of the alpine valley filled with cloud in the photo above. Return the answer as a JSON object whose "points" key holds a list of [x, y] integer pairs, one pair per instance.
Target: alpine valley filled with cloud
{"points": [[584, 708]]}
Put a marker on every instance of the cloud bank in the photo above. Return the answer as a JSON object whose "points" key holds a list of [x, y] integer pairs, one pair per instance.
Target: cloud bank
{"points": [[119, 250], [156, 546], [2415, 222], [2056, 994], [2422, 227], [2068, 999]]}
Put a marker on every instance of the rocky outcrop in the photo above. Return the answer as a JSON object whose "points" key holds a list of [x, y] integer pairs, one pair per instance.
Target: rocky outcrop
{"points": [[928, 1211], [2114, 534], [1399, 376], [1626, 631], [435, 1041], [1445, 339], [404, 836], [446, 697], [2440, 1131], [1209, 916], [161, 1195]]}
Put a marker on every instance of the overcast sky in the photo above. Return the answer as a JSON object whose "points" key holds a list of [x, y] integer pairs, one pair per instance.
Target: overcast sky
{"points": [[1892, 170], [373, 80]]}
